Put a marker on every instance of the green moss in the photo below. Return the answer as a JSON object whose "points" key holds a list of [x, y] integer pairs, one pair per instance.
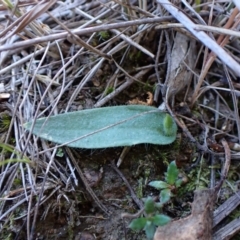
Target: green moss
{"points": [[17, 182], [104, 35], [198, 178]]}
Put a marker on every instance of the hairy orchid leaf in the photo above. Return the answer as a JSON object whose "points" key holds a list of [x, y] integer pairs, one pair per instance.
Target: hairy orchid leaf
{"points": [[107, 127]]}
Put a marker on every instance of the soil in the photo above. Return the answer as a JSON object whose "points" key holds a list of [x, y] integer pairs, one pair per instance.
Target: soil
{"points": [[74, 215], [87, 219]]}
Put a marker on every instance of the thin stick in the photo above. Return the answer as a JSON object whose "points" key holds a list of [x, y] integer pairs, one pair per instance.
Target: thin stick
{"points": [[88, 188], [201, 36], [133, 195], [80, 32]]}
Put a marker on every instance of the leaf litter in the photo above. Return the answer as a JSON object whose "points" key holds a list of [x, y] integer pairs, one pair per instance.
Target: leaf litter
{"points": [[55, 58]]}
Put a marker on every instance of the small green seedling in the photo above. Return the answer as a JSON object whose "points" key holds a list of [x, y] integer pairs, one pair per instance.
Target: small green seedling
{"points": [[169, 185], [151, 208], [151, 221]]}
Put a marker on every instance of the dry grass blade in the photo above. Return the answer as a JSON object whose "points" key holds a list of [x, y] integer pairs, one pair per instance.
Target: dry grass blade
{"points": [[202, 36], [75, 39], [90, 191], [222, 41], [62, 56], [81, 32], [21, 4], [33, 14]]}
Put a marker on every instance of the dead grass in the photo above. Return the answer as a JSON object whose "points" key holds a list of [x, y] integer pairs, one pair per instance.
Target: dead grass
{"points": [[60, 56]]}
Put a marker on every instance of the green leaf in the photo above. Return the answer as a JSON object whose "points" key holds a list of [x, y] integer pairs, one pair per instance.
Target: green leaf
{"points": [[138, 224], [19, 159], [149, 205], [172, 173], [165, 195], [178, 183], [158, 205], [105, 127], [159, 185], [150, 229], [60, 152], [14, 161], [161, 219], [167, 125]]}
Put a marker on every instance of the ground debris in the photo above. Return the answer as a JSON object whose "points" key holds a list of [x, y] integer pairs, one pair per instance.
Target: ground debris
{"points": [[196, 226]]}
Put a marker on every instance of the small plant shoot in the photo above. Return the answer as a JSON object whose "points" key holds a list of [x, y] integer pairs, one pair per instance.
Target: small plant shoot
{"points": [[171, 182], [151, 208], [172, 173], [151, 221], [168, 124]]}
